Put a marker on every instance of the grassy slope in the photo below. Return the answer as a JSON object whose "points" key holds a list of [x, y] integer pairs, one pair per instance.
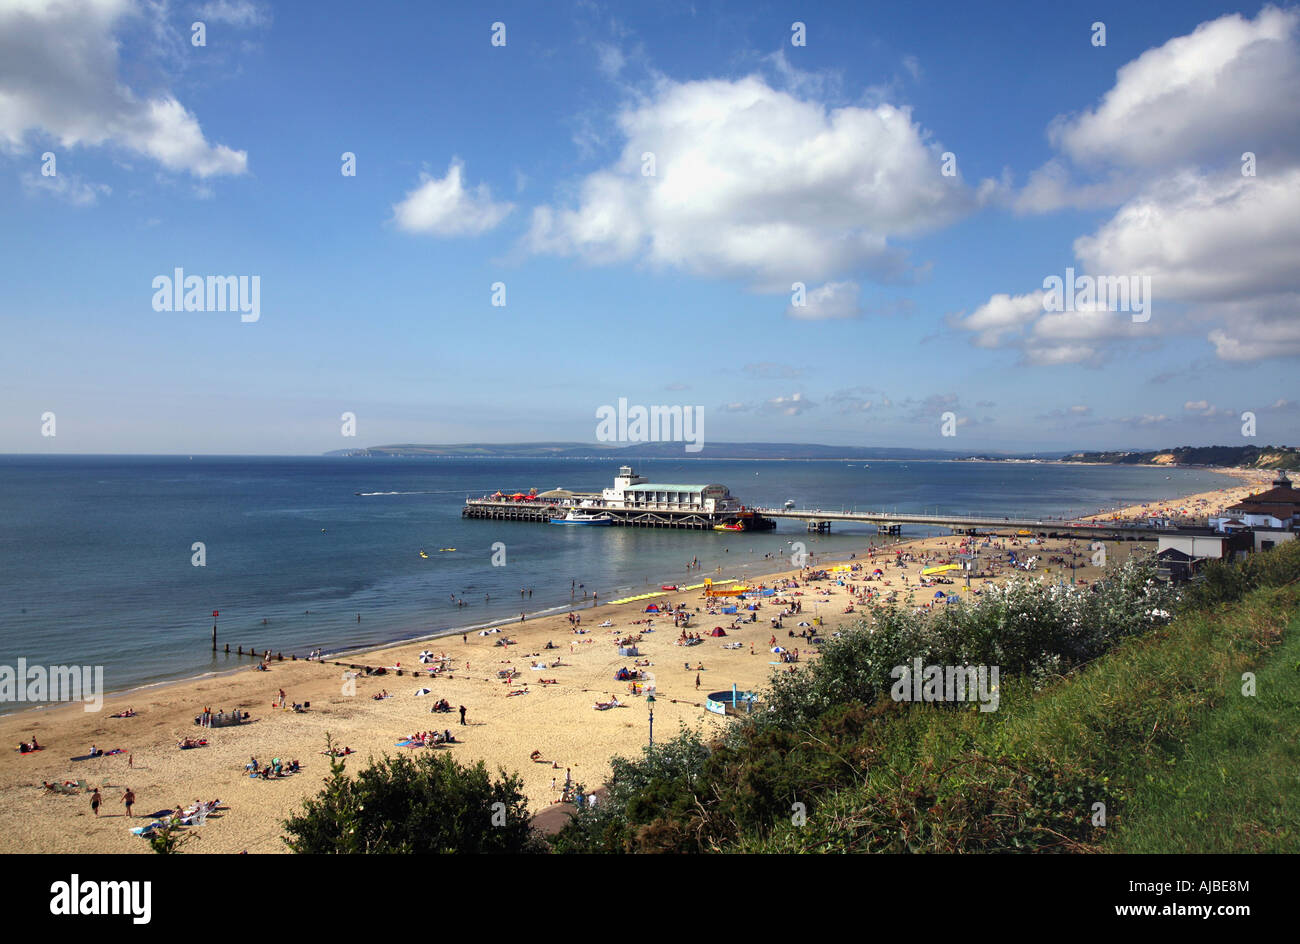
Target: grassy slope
{"points": [[1156, 729], [1236, 787]]}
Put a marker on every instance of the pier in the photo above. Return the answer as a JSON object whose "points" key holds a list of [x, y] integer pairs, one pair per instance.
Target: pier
{"points": [[631, 502], [542, 511], [886, 522], [634, 502]]}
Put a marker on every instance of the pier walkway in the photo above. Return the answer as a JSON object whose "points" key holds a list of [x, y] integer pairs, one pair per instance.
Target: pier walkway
{"points": [[891, 522]]}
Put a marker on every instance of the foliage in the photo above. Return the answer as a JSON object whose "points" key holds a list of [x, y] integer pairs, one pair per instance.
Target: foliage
{"points": [[428, 805], [1097, 687]]}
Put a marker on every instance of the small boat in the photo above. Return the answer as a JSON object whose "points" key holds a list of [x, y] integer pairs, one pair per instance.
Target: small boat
{"points": [[734, 526], [789, 503], [441, 549], [424, 555], [578, 517]]}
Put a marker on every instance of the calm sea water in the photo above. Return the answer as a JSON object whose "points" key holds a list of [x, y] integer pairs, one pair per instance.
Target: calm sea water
{"points": [[95, 552]]}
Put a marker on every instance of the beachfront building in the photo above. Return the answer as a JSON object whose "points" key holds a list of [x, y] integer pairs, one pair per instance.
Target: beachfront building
{"points": [[633, 493], [1277, 509], [1180, 554]]}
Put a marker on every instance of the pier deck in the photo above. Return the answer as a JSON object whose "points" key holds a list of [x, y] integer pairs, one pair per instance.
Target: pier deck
{"points": [[892, 522]]}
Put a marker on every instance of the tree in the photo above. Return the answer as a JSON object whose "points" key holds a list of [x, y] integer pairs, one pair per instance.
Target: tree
{"points": [[429, 805]]}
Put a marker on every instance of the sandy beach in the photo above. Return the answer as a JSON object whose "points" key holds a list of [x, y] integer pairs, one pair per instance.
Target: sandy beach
{"points": [[504, 727]]}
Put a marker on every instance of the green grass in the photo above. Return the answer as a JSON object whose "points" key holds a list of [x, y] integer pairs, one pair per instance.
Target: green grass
{"points": [[1157, 729], [1235, 787]]}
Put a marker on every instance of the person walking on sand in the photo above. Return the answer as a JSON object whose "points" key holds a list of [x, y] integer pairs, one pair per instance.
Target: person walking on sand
{"points": [[130, 760], [95, 800], [128, 799], [697, 681], [462, 714]]}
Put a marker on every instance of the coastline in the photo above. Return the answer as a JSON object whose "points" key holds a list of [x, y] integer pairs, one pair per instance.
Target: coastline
{"points": [[357, 652], [504, 727]]}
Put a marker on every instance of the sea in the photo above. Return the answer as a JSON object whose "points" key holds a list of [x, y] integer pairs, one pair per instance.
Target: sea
{"points": [[120, 561]]}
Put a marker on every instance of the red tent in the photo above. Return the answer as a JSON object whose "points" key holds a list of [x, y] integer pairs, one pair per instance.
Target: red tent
{"points": [[718, 631]]}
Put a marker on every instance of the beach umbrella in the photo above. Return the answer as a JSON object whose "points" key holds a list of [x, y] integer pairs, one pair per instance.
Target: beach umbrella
{"points": [[878, 571], [424, 691], [778, 649]]}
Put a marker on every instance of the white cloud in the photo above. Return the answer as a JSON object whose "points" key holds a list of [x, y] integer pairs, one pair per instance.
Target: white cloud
{"points": [[1218, 247], [1001, 315], [69, 188], [59, 78], [757, 184], [792, 405], [1232, 82], [442, 206], [830, 301]]}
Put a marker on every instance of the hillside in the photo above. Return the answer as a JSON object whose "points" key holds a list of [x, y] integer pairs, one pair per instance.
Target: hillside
{"points": [[1232, 457], [660, 450]]}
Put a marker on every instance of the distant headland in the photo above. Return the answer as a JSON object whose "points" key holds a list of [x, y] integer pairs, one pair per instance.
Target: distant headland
{"points": [[1245, 457]]}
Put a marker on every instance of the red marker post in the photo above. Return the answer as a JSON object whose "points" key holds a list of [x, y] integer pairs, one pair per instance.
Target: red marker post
{"points": [[215, 614]]}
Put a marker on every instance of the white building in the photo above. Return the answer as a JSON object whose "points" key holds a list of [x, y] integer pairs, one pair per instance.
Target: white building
{"points": [[1278, 509], [632, 491]]}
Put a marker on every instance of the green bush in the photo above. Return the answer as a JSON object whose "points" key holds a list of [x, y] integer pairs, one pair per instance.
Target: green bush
{"points": [[428, 805]]}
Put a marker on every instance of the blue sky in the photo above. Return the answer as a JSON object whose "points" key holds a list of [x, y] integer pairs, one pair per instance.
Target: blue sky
{"points": [[522, 164]]}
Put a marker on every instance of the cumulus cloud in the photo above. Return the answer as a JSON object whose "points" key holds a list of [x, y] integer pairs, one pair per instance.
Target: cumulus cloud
{"points": [[1218, 246], [59, 79], [1231, 80], [792, 405], [1205, 408], [757, 184], [443, 206]]}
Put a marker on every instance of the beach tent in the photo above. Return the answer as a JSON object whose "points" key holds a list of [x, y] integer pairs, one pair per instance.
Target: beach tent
{"points": [[652, 608], [939, 594], [718, 631]]}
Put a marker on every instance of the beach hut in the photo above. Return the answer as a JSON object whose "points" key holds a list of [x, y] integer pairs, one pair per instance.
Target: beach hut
{"points": [[718, 631]]}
